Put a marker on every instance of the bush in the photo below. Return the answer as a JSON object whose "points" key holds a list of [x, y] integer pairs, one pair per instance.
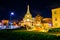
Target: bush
{"points": [[54, 30], [26, 35]]}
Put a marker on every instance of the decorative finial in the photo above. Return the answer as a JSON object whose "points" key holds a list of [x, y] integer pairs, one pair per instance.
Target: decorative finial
{"points": [[28, 11]]}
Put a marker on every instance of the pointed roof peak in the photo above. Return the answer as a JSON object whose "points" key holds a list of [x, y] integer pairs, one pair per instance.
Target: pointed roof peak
{"points": [[28, 10]]}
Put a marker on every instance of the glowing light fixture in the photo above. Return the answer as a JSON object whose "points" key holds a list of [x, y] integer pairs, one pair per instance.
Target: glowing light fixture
{"points": [[28, 20], [12, 13]]}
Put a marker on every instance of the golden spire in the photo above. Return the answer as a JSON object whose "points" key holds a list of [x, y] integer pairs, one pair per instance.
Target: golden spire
{"points": [[28, 11]]}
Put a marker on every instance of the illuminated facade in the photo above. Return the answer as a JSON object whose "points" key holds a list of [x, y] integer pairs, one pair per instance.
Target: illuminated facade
{"points": [[33, 23], [38, 20], [27, 20], [56, 17]]}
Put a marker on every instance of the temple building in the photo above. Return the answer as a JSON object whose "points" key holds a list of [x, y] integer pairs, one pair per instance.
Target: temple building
{"points": [[56, 17], [38, 21], [33, 23], [47, 22], [27, 20]]}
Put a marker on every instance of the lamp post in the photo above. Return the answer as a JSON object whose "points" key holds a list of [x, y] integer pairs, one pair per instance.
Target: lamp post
{"points": [[11, 15]]}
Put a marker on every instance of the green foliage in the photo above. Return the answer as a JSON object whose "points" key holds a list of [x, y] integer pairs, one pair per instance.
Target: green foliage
{"points": [[54, 30], [26, 35]]}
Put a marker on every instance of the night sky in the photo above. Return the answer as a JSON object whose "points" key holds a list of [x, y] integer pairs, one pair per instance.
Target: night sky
{"points": [[19, 8]]}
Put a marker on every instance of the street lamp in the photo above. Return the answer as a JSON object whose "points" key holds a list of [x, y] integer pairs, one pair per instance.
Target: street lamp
{"points": [[11, 14]]}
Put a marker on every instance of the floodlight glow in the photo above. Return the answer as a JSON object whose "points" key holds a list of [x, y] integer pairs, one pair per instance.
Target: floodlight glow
{"points": [[12, 13], [28, 20]]}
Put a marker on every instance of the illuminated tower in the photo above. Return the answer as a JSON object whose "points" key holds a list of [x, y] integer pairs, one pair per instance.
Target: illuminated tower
{"points": [[38, 19], [56, 17], [28, 18]]}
